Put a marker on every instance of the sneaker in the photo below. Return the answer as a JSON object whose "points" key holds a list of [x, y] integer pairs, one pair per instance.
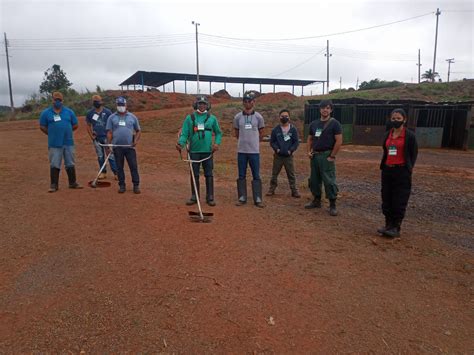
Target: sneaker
{"points": [[102, 176], [191, 202], [75, 186], [136, 190], [392, 232], [53, 188], [121, 189], [241, 202], [211, 203], [259, 204], [115, 177], [332, 211], [382, 230], [295, 194], [313, 204]]}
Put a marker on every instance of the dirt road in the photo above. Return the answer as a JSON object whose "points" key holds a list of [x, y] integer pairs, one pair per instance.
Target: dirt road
{"points": [[97, 271]]}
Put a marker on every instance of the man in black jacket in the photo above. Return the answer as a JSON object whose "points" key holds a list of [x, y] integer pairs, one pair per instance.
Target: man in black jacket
{"points": [[284, 141]]}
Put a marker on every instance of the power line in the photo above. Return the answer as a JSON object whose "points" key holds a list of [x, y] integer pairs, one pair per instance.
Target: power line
{"points": [[329, 34], [300, 64]]}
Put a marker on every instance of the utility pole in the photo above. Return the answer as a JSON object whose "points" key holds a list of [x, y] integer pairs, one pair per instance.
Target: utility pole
{"points": [[419, 66], [197, 56], [357, 84], [451, 60], [12, 108], [436, 43], [340, 82], [327, 64]]}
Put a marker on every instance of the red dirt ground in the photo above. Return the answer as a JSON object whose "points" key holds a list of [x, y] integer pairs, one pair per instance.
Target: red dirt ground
{"points": [[95, 271]]}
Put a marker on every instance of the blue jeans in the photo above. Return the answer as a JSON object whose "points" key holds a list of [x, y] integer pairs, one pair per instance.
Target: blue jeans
{"points": [[122, 153], [100, 151], [56, 155], [252, 159]]}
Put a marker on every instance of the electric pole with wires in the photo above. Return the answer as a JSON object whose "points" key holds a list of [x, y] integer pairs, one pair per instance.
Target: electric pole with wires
{"points": [[327, 55], [197, 56], [436, 43], [450, 60], [8, 69]]}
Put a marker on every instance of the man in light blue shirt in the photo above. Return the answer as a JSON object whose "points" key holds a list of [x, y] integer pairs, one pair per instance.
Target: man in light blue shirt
{"points": [[58, 122], [123, 131]]}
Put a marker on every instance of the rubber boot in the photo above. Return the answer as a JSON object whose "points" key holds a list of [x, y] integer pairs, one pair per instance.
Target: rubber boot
{"points": [[241, 192], [316, 203], [71, 175], [394, 231], [332, 208], [388, 225], [257, 193], [193, 199], [210, 191], [54, 175]]}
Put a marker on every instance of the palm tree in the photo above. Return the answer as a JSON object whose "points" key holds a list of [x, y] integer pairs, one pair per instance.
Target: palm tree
{"points": [[430, 75]]}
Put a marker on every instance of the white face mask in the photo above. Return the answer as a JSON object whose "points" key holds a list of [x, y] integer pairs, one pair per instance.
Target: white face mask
{"points": [[121, 109]]}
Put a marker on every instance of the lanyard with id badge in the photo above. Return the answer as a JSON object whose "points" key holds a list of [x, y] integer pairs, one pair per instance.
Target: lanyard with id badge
{"points": [[248, 122], [56, 118], [122, 123], [392, 148]]}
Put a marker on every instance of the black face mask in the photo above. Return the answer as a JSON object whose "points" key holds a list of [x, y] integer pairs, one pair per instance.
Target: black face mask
{"points": [[96, 104], [284, 120], [396, 124]]}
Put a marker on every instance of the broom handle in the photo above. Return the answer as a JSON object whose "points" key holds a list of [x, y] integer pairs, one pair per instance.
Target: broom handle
{"points": [[193, 178]]}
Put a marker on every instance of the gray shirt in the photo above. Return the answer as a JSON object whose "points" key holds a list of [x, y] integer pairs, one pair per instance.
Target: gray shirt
{"points": [[122, 127], [249, 135]]}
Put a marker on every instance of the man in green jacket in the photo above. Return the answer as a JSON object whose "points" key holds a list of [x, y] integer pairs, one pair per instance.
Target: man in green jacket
{"points": [[196, 133]]}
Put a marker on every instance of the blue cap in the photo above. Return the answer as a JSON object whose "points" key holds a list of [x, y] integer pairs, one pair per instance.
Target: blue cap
{"points": [[121, 101]]}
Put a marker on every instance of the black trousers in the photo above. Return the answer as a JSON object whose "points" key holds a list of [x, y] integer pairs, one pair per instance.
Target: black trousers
{"points": [[122, 153], [396, 189]]}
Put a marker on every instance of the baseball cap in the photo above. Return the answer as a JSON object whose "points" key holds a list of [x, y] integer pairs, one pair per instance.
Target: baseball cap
{"points": [[200, 99], [57, 95], [121, 101]]}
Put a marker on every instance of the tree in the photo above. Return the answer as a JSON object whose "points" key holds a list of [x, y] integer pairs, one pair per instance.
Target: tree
{"points": [[378, 84], [430, 75], [54, 80]]}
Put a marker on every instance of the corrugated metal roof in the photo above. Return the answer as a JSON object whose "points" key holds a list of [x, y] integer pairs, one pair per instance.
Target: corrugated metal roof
{"points": [[156, 79]]}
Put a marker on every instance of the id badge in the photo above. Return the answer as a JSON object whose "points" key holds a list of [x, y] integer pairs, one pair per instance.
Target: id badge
{"points": [[318, 132], [200, 126], [121, 123], [95, 117], [248, 126], [56, 118], [286, 137], [392, 150]]}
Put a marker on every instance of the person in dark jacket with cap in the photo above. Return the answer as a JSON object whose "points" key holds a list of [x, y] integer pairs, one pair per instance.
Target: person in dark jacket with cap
{"points": [[58, 123], [400, 151], [284, 141]]}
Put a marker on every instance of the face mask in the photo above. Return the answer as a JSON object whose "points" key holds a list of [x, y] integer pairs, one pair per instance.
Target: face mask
{"points": [[121, 109], [397, 124], [284, 120], [58, 104], [202, 111], [97, 104]]}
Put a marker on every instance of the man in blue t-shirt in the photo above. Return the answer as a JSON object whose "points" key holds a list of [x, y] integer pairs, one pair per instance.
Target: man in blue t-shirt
{"points": [[58, 122], [123, 131], [324, 142], [96, 120]]}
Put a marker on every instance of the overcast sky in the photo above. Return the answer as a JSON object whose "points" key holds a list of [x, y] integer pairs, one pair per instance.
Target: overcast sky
{"points": [[103, 42]]}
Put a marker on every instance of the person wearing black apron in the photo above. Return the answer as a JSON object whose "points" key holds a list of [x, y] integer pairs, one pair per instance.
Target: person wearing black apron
{"points": [[400, 151]]}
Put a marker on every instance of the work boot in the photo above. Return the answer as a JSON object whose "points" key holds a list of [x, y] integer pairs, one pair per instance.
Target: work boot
{"points": [[332, 208], [136, 189], [54, 175], [295, 193], [271, 190], [193, 199], [210, 191], [316, 203], [121, 189], [388, 225], [257, 193], [241, 192], [71, 174], [394, 231]]}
